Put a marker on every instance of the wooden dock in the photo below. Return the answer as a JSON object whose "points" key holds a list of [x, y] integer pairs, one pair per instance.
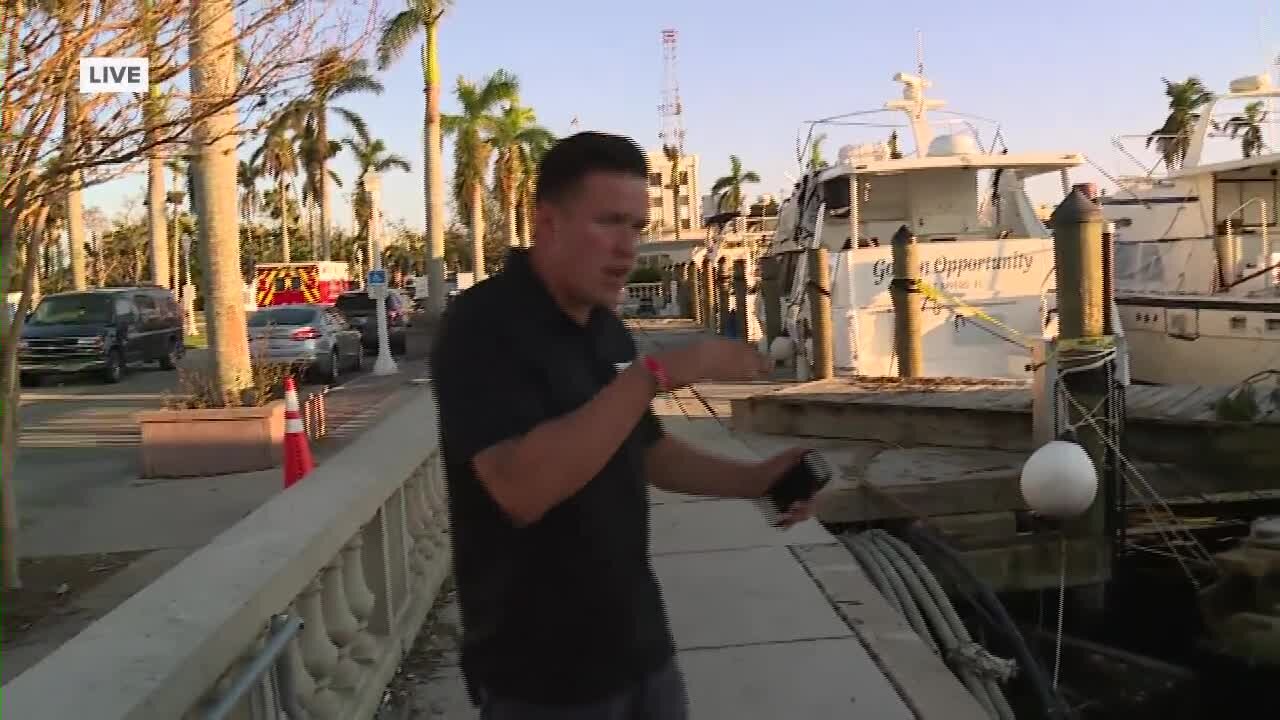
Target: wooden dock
{"points": [[1174, 424]]}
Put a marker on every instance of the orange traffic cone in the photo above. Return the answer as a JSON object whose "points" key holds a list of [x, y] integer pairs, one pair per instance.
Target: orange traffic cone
{"points": [[297, 454]]}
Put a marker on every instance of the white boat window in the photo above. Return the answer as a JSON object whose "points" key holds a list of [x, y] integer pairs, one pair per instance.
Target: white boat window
{"points": [[1238, 322], [1273, 324], [1138, 263]]}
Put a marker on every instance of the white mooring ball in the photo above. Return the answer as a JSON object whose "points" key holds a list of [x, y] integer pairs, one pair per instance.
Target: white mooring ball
{"points": [[1059, 480], [781, 349]]}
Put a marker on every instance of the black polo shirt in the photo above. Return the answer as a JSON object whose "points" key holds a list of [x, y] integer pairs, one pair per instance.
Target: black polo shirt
{"points": [[567, 609]]}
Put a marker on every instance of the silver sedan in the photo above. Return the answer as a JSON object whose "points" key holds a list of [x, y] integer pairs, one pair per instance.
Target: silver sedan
{"points": [[312, 336]]}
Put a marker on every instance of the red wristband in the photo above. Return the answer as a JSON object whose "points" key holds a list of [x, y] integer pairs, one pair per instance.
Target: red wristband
{"points": [[658, 372]]}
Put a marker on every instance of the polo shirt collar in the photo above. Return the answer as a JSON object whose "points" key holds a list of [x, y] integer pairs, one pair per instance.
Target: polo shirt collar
{"points": [[519, 267]]}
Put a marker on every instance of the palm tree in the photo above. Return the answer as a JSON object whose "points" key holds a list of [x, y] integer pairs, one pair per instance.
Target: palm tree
{"points": [[213, 75], [472, 130], [247, 176], [672, 153], [370, 154], [1174, 137], [332, 76], [816, 161], [153, 115], [313, 156], [728, 189], [514, 136], [66, 12], [424, 16], [528, 185], [279, 159], [1249, 127]]}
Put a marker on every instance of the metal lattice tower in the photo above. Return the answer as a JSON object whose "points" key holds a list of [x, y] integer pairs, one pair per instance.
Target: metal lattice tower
{"points": [[671, 114], [671, 111]]}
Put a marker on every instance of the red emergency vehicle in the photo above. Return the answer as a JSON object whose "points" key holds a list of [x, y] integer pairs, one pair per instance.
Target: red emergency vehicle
{"points": [[314, 281]]}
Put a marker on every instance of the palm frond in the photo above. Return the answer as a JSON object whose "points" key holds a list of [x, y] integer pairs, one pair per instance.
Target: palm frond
{"points": [[397, 32], [356, 122], [357, 84], [500, 86], [393, 162]]}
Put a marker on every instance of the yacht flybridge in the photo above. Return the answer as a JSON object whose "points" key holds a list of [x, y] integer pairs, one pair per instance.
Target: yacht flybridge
{"points": [[980, 242], [1197, 269]]}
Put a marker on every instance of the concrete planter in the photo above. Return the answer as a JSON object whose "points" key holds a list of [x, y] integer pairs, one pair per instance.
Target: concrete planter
{"points": [[217, 441]]}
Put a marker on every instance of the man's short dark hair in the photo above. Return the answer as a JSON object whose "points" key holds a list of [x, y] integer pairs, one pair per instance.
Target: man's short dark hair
{"points": [[573, 158]]}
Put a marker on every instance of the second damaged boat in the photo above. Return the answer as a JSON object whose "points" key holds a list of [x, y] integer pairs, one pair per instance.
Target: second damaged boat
{"points": [[981, 247]]}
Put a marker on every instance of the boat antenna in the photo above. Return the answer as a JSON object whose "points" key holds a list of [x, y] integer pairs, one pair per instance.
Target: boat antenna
{"points": [[919, 52]]}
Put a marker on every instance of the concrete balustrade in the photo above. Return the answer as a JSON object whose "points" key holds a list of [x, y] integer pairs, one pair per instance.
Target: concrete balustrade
{"points": [[358, 550]]}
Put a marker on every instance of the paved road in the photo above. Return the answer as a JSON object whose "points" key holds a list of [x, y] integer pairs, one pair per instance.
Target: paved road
{"points": [[79, 491], [80, 437]]}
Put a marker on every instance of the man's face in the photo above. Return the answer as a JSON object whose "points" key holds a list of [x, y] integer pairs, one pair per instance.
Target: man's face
{"points": [[592, 234]]}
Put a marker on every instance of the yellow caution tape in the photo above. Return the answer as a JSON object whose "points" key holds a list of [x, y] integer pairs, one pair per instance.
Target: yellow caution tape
{"points": [[1093, 344], [943, 300]]}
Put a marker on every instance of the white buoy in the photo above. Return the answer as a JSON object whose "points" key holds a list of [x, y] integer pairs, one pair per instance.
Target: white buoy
{"points": [[781, 349], [1059, 480]]}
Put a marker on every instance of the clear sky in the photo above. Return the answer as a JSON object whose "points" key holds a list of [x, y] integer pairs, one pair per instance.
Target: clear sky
{"points": [[1057, 76]]}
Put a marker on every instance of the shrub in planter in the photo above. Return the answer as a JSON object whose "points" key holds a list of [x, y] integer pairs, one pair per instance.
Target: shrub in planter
{"points": [[200, 433]]}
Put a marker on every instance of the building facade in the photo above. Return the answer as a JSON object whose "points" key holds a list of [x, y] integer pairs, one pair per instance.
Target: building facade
{"points": [[663, 202]]}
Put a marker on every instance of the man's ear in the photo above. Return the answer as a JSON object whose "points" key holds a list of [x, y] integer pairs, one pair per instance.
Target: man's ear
{"points": [[546, 217]]}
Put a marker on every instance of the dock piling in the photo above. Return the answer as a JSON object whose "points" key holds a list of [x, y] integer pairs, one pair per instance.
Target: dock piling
{"points": [[740, 299], [905, 291], [1078, 256], [820, 313]]}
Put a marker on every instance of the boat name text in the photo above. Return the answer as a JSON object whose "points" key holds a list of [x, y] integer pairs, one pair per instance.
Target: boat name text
{"points": [[948, 267]]}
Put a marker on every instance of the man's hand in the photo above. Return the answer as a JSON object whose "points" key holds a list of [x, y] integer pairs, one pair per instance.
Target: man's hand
{"points": [[767, 472], [717, 359]]}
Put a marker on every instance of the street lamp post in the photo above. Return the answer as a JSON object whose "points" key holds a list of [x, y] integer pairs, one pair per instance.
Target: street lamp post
{"points": [[385, 364]]}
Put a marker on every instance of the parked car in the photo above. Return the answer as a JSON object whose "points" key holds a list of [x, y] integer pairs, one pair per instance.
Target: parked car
{"points": [[315, 337], [358, 308], [104, 330]]}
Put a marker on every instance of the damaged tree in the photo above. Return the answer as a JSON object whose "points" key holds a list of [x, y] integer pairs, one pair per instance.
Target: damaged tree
{"points": [[246, 60]]}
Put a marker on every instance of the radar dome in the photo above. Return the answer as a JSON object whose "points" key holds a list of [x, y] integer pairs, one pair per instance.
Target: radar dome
{"points": [[866, 152], [956, 144], [1059, 480]]}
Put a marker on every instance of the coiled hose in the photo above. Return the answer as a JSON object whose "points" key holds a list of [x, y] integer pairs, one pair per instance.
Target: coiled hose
{"points": [[989, 606], [909, 585]]}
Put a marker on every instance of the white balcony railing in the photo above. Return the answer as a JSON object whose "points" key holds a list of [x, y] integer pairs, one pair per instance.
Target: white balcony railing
{"points": [[358, 551]]}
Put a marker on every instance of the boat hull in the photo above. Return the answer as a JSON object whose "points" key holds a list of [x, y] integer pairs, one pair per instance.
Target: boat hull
{"points": [[1010, 281], [1199, 340]]}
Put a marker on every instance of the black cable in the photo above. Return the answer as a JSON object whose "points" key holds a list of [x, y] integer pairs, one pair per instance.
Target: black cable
{"points": [[995, 611]]}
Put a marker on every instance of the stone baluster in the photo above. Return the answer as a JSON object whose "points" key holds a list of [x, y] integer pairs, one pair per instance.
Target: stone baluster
{"points": [[300, 682], [420, 528], [361, 600], [437, 503], [416, 526], [341, 624], [319, 654]]}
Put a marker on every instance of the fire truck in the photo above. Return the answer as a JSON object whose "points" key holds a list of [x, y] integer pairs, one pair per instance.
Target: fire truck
{"points": [[315, 281]]}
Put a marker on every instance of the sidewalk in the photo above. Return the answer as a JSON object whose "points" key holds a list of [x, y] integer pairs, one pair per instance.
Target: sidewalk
{"points": [[764, 620], [151, 525]]}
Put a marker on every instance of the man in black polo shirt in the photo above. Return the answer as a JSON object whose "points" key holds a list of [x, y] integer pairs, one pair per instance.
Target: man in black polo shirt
{"points": [[549, 448]]}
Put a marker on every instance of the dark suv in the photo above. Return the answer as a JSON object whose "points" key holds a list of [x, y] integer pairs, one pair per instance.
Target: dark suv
{"points": [[103, 330], [359, 310]]}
